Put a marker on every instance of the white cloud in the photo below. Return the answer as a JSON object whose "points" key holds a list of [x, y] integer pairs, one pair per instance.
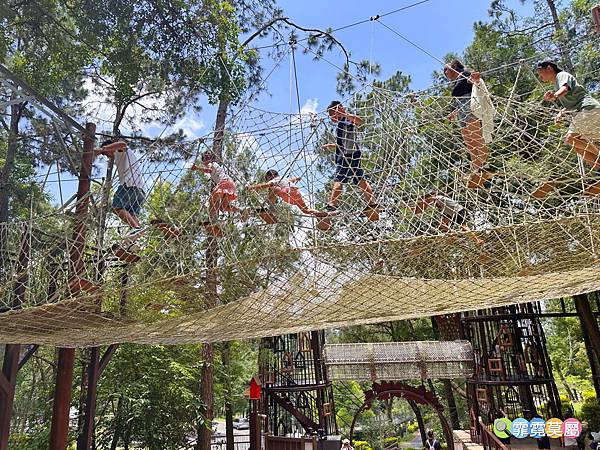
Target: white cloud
{"points": [[190, 125], [98, 108], [247, 141], [310, 106]]}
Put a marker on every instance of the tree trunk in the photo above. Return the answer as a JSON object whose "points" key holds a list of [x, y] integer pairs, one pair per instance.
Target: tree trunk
{"points": [[449, 394], [594, 364], [388, 409], [212, 255], [207, 398], [565, 384], [420, 421], [226, 360], [9, 163]]}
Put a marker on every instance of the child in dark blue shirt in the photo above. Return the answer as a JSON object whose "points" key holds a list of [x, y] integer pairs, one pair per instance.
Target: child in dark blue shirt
{"points": [[347, 158]]}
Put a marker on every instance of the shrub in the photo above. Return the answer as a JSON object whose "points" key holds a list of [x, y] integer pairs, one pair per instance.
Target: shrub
{"points": [[361, 445], [389, 441], [412, 427], [590, 412]]}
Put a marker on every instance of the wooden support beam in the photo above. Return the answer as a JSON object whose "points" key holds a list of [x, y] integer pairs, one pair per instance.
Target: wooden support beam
{"points": [[106, 357], [588, 321], [5, 72], [306, 422], [59, 431], [4, 384], [596, 16], [9, 378], [27, 356]]}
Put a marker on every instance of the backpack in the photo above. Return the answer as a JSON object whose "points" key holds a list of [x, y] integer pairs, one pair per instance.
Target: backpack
{"points": [[433, 445]]}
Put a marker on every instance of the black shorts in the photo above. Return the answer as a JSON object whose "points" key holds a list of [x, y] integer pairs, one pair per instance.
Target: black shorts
{"points": [[458, 218], [348, 168]]}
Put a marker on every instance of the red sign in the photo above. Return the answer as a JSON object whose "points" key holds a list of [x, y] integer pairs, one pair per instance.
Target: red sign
{"points": [[254, 389]]}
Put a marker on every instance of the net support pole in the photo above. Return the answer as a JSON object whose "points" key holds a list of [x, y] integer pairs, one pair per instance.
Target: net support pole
{"points": [[12, 352], [59, 430]]}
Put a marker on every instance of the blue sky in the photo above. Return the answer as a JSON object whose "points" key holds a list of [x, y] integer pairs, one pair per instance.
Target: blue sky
{"points": [[438, 26]]}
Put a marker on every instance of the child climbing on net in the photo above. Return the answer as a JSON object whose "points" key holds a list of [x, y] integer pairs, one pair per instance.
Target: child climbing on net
{"points": [[452, 213], [286, 190], [224, 192], [129, 198]]}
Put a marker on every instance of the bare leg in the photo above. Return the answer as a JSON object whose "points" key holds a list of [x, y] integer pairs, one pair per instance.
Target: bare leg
{"points": [[313, 212], [272, 198], [367, 190], [472, 235], [588, 151], [336, 191], [473, 137], [127, 217], [214, 206], [445, 225]]}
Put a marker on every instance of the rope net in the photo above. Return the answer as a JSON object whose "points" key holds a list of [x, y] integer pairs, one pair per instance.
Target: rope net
{"points": [[529, 229]]}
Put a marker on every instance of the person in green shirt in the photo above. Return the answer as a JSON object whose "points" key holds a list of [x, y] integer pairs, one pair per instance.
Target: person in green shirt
{"points": [[576, 101]]}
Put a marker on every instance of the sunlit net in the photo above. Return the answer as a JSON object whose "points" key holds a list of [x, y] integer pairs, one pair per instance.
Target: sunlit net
{"points": [[536, 220]]}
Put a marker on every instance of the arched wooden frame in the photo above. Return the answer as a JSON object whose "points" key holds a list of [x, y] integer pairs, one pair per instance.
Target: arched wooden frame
{"points": [[387, 390]]}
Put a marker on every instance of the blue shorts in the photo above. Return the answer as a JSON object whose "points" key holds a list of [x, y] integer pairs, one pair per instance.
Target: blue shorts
{"points": [[129, 198], [348, 168]]}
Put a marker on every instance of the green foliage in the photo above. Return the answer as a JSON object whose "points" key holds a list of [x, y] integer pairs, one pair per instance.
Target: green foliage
{"points": [[413, 427], [361, 445], [33, 439], [590, 412], [154, 401]]}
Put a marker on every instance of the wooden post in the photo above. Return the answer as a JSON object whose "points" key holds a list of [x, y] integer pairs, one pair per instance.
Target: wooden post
{"points": [[10, 365], [316, 351], [596, 16], [588, 321], [254, 426], [59, 430]]}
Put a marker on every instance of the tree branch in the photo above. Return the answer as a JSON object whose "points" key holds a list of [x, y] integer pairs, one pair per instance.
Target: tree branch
{"points": [[319, 33], [286, 20]]}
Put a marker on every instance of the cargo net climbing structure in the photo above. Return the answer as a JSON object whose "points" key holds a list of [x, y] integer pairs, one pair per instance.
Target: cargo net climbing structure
{"points": [[529, 230]]}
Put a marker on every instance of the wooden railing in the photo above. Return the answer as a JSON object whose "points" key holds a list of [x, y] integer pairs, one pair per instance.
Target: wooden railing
{"points": [[237, 444], [289, 443], [488, 439]]}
